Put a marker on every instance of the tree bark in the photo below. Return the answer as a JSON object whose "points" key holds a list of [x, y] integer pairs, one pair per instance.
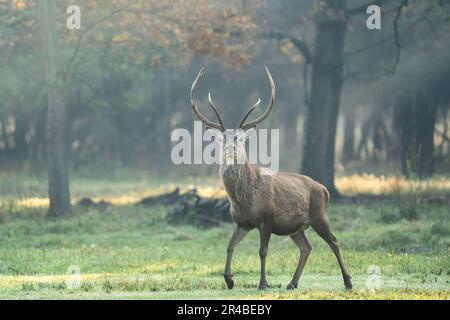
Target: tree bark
{"points": [[20, 132], [415, 123], [289, 136], [349, 137], [58, 177], [167, 112], [425, 138], [5, 138], [327, 81]]}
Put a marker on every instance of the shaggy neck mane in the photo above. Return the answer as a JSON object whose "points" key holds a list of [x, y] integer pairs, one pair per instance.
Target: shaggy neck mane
{"points": [[239, 181]]}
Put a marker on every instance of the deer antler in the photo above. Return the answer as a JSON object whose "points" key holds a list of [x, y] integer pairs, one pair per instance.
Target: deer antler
{"points": [[215, 111], [251, 124], [249, 112], [208, 123]]}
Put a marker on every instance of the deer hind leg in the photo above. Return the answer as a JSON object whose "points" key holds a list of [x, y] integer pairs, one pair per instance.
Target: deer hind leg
{"points": [[265, 232], [305, 248], [323, 230], [238, 234]]}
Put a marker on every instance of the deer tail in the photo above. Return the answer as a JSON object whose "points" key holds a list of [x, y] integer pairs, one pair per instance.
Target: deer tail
{"points": [[327, 196]]}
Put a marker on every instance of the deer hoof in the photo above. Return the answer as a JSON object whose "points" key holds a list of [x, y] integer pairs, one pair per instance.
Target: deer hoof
{"points": [[348, 284], [229, 281], [290, 286]]}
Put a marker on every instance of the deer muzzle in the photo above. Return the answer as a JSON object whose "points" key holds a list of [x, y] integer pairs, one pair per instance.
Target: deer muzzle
{"points": [[230, 153]]}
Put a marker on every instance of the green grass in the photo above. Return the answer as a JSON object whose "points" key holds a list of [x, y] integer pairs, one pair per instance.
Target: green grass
{"points": [[129, 252]]}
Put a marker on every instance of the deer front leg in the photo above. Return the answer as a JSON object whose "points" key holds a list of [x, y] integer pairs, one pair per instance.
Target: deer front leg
{"points": [[305, 248], [238, 234], [265, 232]]}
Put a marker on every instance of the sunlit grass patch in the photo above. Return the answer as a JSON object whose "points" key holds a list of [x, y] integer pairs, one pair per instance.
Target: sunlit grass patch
{"points": [[404, 294], [130, 252], [31, 193], [377, 185], [125, 193], [130, 197], [173, 286]]}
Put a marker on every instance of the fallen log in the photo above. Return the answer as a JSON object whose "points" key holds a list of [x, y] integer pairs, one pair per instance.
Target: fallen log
{"points": [[190, 208], [89, 204]]}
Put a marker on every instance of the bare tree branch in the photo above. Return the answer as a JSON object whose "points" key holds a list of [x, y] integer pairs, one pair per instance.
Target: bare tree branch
{"points": [[392, 36], [397, 34], [81, 37], [299, 44], [362, 9], [432, 28]]}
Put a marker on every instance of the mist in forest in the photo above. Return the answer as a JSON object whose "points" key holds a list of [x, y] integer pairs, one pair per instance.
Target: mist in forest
{"points": [[98, 202], [99, 87]]}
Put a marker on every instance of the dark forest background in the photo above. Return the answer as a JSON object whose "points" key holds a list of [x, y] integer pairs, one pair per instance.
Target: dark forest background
{"points": [[106, 97]]}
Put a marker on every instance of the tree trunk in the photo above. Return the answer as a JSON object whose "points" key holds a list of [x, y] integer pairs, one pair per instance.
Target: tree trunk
{"points": [[349, 137], [289, 136], [327, 81], [58, 177], [20, 132], [425, 138], [415, 122], [5, 138], [37, 143], [167, 113]]}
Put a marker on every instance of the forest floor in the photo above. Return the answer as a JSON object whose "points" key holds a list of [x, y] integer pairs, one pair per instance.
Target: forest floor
{"points": [[393, 249]]}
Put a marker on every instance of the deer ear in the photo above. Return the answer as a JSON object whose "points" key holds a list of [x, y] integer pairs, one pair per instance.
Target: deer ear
{"points": [[250, 132], [217, 134]]}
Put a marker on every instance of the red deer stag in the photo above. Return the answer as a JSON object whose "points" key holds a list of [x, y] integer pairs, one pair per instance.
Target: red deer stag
{"points": [[278, 203]]}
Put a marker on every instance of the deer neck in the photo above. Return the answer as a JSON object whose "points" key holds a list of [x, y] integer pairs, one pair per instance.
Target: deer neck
{"points": [[238, 180]]}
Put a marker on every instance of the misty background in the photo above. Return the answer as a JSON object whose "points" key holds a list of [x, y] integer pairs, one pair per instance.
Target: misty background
{"points": [[105, 98]]}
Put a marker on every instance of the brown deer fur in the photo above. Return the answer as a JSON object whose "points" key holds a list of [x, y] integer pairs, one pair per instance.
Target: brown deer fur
{"points": [[279, 203]]}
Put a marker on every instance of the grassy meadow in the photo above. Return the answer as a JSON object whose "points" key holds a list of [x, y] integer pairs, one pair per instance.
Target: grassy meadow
{"points": [[130, 252]]}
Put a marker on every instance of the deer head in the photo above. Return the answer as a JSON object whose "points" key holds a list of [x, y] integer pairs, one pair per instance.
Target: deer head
{"points": [[232, 141]]}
